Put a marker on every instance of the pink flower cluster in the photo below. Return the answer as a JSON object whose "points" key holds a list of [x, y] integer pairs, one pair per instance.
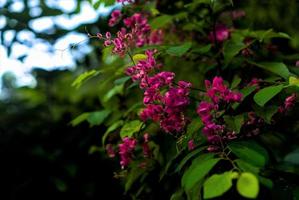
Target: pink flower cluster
{"points": [[219, 94], [217, 91], [115, 17], [165, 108], [145, 146], [136, 33], [127, 148], [126, 151]]}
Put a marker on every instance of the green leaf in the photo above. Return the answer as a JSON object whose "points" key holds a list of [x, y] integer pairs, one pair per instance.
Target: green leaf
{"points": [[266, 94], [194, 126], [293, 81], [160, 21], [247, 167], [111, 128], [217, 185], [179, 50], [245, 92], [266, 182], [130, 128], [293, 157], [199, 168], [97, 118], [266, 112], [178, 195], [231, 49], [133, 176], [84, 77], [202, 50], [117, 89], [234, 122], [97, 4], [251, 152], [236, 81], [248, 185], [188, 157], [138, 57], [79, 119], [121, 80], [278, 68]]}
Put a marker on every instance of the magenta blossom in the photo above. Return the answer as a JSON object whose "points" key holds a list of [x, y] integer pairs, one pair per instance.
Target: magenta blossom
{"points": [[110, 150], [191, 145], [126, 151], [115, 17], [221, 34]]}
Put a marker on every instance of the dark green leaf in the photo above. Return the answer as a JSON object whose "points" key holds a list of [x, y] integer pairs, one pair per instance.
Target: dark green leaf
{"points": [[251, 152], [234, 122], [199, 168], [266, 94], [231, 49], [293, 157], [97, 118], [188, 157], [246, 167], [179, 50], [275, 67], [202, 50], [178, 195], [111, 128], [266, 112], [79, 119], [121, 80], [160, 21], [194, 126], [236, 81]]}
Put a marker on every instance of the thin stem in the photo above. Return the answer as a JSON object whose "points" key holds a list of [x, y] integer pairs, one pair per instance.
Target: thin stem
{"points": [[131, 58]]}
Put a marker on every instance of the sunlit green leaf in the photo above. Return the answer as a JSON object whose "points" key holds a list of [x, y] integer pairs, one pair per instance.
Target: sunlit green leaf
{"points": [[248, 185], [130, 128], [217, 184]]}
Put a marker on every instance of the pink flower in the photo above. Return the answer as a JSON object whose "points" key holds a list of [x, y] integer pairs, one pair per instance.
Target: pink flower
{"points": [[191, 145], [126, 151], [110, 151], [145, 146], [151, 111], [218, 91], [297, 63], [222, 33], [290, 101], [156, 37], [236, 14], [115, 17]]}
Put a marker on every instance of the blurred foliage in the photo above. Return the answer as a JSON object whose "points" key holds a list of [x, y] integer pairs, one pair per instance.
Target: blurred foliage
{"points": [[43, 157]]}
